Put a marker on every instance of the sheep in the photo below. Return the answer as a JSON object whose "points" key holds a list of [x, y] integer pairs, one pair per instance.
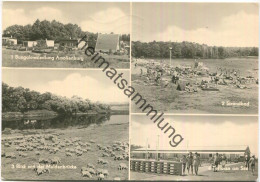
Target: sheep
{"points": [[3, 154], [88, 144], [82, 144], [62, 144], [18, 148], [105, 162], [46, 147], [101, 177], [127, 158], [100, 161], [72, 151], [69, 154], [122, 166], [40, 171], [89, 165], [17, 142], [78, 153], [51, 151], [55, 160], [86, 174], [13, 156], [23, 149], [117, 142], [84, 150], [109, 151], [99, 171], [105, 155], [91, 171], [92, 141], [22, 145], [30, 148], [40, 148], [44, 161], [10, 155], [112, 154], [22, 154], [105, 172], [84, 169], [37, 153], [78, 148], [7, 145], [118, 157], [55, 149]]}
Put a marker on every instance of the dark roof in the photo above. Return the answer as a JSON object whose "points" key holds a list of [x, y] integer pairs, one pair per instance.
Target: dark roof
{"points": [[107, 42], [196, 149]]}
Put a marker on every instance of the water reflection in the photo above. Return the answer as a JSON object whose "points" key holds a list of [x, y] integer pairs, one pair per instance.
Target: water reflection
{"points": [[62, 121]]}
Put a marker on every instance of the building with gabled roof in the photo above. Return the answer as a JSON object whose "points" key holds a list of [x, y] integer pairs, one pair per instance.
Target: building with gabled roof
{"points": [[205, 152], [107, 43], [29, 43], [9, 41]]}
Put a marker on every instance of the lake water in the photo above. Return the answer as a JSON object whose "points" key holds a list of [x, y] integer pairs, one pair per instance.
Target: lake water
{"points": [[64, 122]]}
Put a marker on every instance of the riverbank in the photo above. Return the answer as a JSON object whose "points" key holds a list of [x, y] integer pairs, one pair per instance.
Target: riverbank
{"points": [[50, 114], [29, 114]]}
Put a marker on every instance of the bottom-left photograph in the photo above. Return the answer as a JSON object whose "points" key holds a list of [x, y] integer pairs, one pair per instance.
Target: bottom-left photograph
{"points": [[63, 125]]}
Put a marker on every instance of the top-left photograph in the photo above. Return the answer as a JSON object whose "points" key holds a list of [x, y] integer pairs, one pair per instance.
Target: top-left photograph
{"points": [[59, 34]]}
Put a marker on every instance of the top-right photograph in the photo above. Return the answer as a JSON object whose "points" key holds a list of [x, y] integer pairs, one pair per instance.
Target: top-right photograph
{"points": [[195, 58]]}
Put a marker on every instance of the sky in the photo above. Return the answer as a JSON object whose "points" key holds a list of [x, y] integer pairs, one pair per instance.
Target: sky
{"points": [[219, 24], [198, 131], [93, 17], [88, 84]]}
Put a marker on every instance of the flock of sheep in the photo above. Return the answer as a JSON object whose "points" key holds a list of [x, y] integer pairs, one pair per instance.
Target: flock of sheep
{"points": [[70, 147]]}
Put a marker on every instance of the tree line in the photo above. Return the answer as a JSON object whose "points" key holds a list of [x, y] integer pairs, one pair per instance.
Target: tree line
{"points": [[19, 99], [51, 30], [188, 50]]}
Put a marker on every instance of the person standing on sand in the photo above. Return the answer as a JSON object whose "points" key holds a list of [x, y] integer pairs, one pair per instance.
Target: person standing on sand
{"points": [[141, 73], [190, 163], [216, 162], [196, 163], [223, 162], [247, 158], [252, 164], [184, 161]]}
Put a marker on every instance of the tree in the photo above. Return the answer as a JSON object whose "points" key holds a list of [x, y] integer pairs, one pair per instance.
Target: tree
{"points": [[22, 104]]}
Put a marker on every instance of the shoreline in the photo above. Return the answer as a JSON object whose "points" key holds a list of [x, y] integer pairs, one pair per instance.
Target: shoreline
{"points": [[51, 114]]}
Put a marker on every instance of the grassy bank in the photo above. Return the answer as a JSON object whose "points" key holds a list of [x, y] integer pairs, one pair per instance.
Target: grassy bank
{"points": [[104, 135], [116, 61]]}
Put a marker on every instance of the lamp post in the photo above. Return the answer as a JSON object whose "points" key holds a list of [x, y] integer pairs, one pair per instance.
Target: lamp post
{"points": [[170, 56], [157, 148]]}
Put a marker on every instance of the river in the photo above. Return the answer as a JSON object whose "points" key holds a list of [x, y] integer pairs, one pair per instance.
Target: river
{"points": [[63, 122]]}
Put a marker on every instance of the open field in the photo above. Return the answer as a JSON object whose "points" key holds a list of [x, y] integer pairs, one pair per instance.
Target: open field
{"points": [[103, 135], [165, 97], [116, 61], [204, 175]]}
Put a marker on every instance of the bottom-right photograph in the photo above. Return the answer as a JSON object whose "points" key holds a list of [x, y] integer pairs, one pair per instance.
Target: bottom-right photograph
{"points": [[217, 148]]}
